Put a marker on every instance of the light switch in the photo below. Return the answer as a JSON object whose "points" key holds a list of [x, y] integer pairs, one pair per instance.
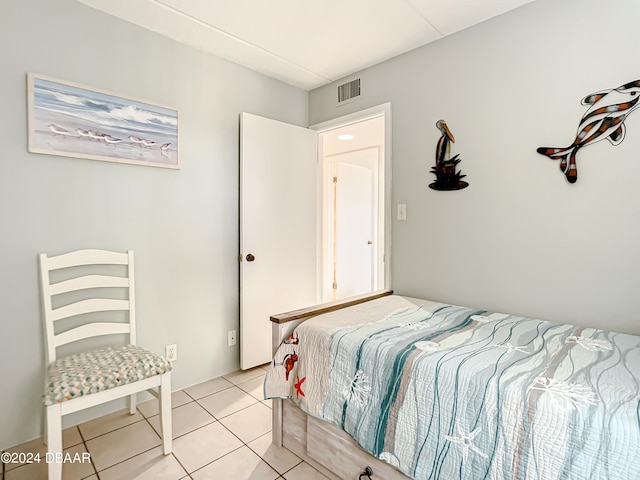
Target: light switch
{"points": [[402, 211]]}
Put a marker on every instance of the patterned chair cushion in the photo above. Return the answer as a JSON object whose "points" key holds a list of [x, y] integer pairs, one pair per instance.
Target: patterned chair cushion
{"points": [[91, 372]]}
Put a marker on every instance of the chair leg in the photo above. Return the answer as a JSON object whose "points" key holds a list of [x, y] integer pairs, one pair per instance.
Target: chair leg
{"points": [[44, 435], [132, 404], [54, 440], [165, 412]]}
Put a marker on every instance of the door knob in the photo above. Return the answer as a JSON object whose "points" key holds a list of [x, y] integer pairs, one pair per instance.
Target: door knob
{"points": [[250, 257]]}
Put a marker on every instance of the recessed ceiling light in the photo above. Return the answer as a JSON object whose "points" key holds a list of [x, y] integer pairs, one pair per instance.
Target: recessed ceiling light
{"points": [[345, 136]]}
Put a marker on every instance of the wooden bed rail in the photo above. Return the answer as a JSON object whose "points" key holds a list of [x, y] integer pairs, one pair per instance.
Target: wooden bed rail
{"points": [[328, 307]]}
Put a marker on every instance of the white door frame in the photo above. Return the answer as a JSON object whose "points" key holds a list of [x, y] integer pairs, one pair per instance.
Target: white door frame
{"points": [[362, 115]]}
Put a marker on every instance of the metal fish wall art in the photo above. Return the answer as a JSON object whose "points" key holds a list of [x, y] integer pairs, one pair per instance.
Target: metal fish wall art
{"points": [[603, 120]]}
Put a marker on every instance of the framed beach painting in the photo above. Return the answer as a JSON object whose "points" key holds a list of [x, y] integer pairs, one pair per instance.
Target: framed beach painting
{"points": [[73, 120]]}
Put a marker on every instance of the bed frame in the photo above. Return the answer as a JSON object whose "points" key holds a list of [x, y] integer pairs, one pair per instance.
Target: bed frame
{"points": [[322, 445]]}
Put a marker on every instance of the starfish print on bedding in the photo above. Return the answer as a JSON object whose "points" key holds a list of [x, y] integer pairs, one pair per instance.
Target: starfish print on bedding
{"points": [[466, 439], [564, 395], [481, 318], [592, 344], [512, 348], [358, 389], [298, 386], [415, 325], [427, 346]]}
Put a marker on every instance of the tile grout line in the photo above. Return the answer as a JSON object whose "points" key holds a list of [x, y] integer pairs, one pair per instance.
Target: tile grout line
{"points": [[120, 428], [85, 440], [172, 453], [234, 412], [217, 419], [274, 468], [86, 447], [209, 394], [110, 431], [149, 449], [214, 461], [246, 444], [127, 459]]}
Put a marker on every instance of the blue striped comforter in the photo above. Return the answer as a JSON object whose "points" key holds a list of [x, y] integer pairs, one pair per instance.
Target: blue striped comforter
{"points": [[446, 392]]}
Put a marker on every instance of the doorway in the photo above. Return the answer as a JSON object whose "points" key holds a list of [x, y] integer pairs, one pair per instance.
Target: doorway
{"points": [[352, 252], [282, 204]]}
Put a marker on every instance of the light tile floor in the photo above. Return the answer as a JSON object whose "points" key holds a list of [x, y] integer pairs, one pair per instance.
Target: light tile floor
{"points": [[221, 430]]}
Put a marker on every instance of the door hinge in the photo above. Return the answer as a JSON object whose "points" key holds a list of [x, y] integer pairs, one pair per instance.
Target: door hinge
{"points": [[335, 285], [335, 179]]}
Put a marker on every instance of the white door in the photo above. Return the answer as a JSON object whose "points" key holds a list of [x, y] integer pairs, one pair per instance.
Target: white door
{"points": [[278, 176], [354, 230]]}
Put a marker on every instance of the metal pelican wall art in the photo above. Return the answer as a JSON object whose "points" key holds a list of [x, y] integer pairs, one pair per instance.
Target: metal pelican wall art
{"points": [[605, 119], [445, 168]]}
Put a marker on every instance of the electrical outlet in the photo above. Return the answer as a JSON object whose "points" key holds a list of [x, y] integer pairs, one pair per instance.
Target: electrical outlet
{"points": [[231, 338], [171, 352]]}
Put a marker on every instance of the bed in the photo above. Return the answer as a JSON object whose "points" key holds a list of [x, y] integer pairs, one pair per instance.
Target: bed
{"points": [[411, 388]]}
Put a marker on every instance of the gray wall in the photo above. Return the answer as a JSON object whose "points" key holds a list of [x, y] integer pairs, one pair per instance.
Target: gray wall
{"points": [[181, 224], [520, 238]]}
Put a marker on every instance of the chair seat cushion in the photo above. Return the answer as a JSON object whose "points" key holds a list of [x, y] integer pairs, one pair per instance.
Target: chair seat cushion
{"points": [[98, 370]]}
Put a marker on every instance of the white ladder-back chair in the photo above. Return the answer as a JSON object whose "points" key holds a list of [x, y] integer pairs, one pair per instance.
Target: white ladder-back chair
{"points": [[78, 381]]}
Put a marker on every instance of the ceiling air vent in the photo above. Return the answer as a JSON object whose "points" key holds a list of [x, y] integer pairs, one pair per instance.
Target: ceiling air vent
{"points": [[349, 91]]}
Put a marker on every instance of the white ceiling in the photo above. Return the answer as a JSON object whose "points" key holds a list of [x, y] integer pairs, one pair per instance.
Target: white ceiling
{"points": [[306, 44], [366, 134]]}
